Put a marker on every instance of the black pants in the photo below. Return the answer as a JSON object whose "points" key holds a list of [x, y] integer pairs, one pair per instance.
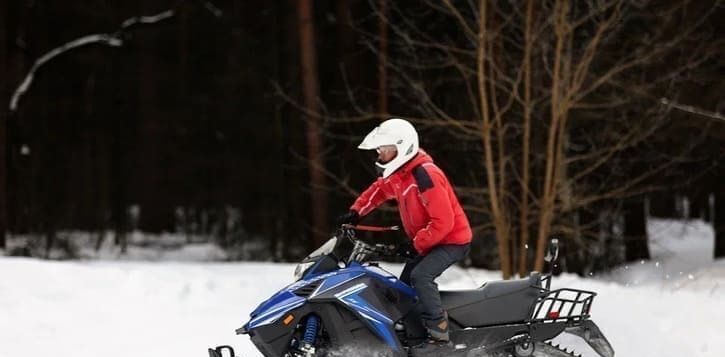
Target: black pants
{"points": [[421, 272]]}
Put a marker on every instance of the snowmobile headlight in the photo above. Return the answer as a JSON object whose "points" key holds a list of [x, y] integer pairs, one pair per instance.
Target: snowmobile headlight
{"points": [[302, 268]]}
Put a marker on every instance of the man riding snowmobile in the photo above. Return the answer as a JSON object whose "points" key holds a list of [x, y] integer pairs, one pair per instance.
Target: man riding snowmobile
{"points": [[343, 303], [429, 209]]}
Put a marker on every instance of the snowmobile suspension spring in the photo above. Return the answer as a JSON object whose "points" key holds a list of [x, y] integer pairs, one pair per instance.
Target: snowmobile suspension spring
{"points": [[311, 329]]}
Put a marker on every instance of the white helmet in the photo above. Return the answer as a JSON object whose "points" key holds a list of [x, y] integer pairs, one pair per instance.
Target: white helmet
{"points": [[396, 132]]}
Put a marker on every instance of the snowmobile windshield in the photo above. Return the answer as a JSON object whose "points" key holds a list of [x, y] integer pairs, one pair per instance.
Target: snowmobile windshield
{"points": [[324, 249], [311, 259]]}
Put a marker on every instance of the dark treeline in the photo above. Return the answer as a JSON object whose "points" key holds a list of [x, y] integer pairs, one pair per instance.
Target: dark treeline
{"points": [[230, 121]]}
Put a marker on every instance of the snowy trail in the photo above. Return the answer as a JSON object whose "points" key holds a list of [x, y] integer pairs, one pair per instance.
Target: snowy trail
{"points": [[127, 309], [134, 309], [178, 309]]}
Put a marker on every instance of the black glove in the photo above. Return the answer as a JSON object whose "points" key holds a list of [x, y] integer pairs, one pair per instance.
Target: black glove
{"points": [[407, 250], [350, 217]]}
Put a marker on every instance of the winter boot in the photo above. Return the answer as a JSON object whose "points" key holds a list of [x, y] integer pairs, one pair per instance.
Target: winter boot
{"points": [[438, 329], [438, 342]]}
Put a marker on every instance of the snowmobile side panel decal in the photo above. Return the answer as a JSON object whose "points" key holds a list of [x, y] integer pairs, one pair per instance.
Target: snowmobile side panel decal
{"points": [[303, 282], [281, 296], [286, 300], [340, 278], [275, 309], [381, 324]]}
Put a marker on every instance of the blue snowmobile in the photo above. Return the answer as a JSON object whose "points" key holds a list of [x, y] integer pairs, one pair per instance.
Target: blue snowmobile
{"points": [[344, 304]]}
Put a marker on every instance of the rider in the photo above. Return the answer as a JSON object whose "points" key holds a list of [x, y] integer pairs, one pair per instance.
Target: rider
{"points": [[430, 212]]}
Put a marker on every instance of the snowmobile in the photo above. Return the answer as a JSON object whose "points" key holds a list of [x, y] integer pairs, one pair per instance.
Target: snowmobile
{"points": [[344, 304]]}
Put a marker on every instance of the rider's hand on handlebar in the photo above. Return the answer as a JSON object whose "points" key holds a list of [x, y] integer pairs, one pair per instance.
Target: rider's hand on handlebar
{"points": [[407, 250], [350, 217], [386, 249]]}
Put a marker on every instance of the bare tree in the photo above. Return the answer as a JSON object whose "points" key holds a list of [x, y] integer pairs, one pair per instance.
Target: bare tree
{"points": [[526, 140], [635, 231], [310, 93], [383, 58], [3, 129], [548, 90], [719, 220]]}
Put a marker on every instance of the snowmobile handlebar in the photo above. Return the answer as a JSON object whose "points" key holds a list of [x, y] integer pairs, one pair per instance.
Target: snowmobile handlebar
{"points": [[362, 250], [360, 227]]}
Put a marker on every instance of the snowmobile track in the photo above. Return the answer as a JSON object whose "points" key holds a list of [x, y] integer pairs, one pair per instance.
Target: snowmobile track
{"points": [[547, 349]]}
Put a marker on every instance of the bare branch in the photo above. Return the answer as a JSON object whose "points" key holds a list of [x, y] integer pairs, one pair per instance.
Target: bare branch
{"points": [[691, 109], [108, 39]]}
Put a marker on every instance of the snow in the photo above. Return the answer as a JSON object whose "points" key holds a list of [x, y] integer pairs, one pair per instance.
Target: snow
{"points": [[673, 305], [681, 256]]}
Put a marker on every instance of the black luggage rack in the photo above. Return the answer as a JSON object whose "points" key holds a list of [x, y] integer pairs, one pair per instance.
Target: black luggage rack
{"points": [[569, 305]]}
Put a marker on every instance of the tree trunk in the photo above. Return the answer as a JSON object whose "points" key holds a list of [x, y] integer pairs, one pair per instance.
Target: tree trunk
{"points": [[17, 185], [553, 145], [719, 224], [635, 231], [349, 77], [662, 205], [526, 140], [498, 213], [152, 152], [699, 206], [117, 176], [383, 59], [280, 72], [4, 98], [315, 145]]}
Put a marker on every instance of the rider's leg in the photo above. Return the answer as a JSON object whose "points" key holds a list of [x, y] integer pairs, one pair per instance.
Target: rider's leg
{"points": [[408, 269], [422, 278]]}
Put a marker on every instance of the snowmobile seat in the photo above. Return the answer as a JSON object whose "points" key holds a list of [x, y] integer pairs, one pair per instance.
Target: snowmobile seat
{"points": [[495, 302]]}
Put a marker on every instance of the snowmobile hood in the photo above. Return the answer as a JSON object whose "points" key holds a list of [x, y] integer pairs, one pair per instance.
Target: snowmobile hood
{"points": [[297, 293], [272, 309]]}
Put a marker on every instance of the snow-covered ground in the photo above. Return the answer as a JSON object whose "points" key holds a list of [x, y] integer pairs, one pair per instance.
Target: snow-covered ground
{"points": [[671, 306]]}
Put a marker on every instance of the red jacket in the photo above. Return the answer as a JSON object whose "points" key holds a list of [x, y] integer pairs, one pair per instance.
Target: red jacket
{"points": [[428, 206]]}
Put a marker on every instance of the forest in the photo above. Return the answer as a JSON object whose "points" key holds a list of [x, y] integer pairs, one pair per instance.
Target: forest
{"points": [[237, 122]]}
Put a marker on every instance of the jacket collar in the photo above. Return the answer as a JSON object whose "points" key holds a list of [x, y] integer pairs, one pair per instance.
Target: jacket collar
{"points": [[421, 158]]}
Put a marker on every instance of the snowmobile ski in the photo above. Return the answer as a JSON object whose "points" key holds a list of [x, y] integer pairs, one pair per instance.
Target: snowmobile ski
{"points": [[219, 351]]}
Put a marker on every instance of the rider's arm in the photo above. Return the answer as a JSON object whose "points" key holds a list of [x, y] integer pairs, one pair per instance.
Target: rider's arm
{"points": [[434, 194], [379, 192]]}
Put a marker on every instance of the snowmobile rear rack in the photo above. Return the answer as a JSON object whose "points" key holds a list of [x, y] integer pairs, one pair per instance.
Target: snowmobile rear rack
{"points": [[570, 305]]}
